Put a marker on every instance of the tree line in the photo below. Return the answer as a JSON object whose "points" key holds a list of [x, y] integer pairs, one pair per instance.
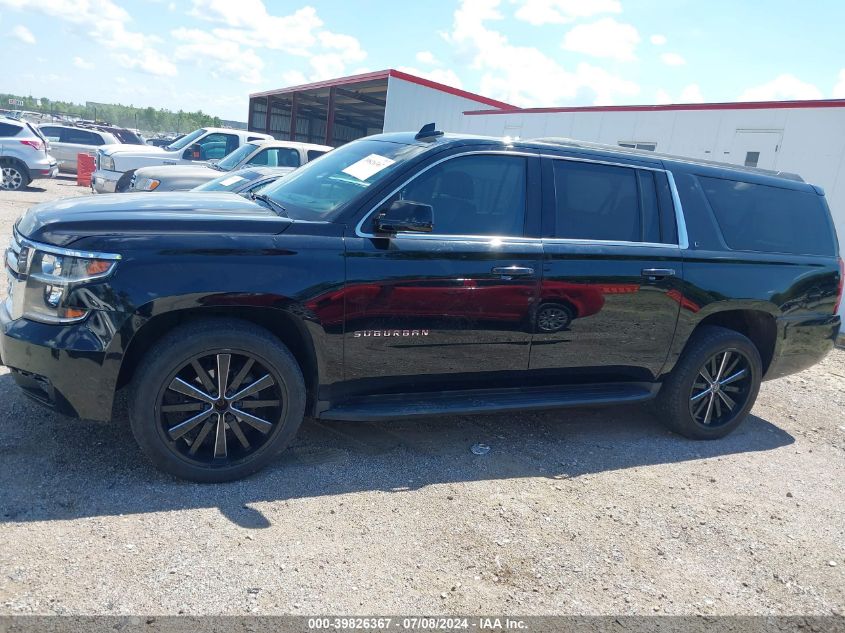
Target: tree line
{"points": [[146, 119]]}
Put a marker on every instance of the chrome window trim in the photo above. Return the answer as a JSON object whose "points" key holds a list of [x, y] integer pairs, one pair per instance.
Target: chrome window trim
{"points": [[67, 252], [577, 241], [680, 220], [683, 240], [441, 236]]}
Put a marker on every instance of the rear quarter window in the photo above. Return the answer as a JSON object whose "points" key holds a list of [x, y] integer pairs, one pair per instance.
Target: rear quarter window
{"points": [[767, 219], [9, 129]]}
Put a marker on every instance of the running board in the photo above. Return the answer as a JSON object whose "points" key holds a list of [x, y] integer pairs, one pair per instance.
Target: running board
{"points": [[404, 405]]}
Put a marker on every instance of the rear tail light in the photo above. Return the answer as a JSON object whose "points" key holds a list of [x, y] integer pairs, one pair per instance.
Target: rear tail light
{"points": [[841, 285], [36, 145]]}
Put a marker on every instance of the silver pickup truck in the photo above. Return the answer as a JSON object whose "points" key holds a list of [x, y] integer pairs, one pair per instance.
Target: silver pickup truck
{"points": [[116, 164], [288, 154]]}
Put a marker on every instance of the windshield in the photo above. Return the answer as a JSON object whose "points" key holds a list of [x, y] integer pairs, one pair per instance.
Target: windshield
{"points": [[186, 140], [229, 182], [312, 192], [231, 160]]}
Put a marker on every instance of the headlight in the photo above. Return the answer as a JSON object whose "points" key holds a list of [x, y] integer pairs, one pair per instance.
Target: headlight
{"points": [[107, 163], [51, 279], [146, 184]]}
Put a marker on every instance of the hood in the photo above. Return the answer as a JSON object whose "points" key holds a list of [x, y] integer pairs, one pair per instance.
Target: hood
{"points": [[64, 221], [135, 150]]}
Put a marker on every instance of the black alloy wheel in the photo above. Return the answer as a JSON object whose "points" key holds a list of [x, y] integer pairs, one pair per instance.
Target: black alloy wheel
{"points": [[721, 388], [220, 407]]}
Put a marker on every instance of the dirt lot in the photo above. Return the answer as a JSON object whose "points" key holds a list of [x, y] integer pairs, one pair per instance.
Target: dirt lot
{"points": [[580, 511]]}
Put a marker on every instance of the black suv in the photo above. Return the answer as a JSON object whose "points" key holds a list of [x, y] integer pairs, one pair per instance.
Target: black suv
{"points": [[408, 275]]}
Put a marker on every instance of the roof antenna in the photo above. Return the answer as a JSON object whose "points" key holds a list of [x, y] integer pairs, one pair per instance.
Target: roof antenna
{"points": [[428, 131]]}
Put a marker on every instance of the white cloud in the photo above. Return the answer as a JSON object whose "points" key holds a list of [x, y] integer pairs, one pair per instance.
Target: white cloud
{"points": [[23, 34], [105, 22], [441, 75], [690, 94], [249, 23], [523, 75], [783, 87], [220, 57], [604, 38], [673, 59], [538, 12], [148, 61], [428, 58], [839, 88], [82, 63], [658, 40]]}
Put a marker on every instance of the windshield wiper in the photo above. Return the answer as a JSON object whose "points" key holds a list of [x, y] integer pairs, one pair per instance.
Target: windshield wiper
{"points": [[275, 206]]}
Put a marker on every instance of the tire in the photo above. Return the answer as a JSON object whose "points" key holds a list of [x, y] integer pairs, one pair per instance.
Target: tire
{"points": [[12, 176], [553, 317], [688, 403], [209, 439]]}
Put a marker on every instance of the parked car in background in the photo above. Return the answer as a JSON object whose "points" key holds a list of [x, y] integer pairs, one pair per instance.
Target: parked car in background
{"points": [[245, 181], [116, 164], [255, 153], [410, 275], [67, 141], [24, 154]]}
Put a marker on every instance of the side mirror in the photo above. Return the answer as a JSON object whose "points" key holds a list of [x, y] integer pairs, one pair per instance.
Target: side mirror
{"points": [[405, 215], [193, 152]]}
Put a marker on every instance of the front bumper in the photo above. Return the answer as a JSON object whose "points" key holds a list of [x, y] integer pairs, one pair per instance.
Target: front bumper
{"points": [[105, 181], [64, 367]]}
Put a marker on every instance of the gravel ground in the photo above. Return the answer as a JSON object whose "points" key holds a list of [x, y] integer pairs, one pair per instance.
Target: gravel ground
{"points": [[572, 512]]}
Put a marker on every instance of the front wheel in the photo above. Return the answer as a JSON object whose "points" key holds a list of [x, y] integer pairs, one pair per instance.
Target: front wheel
{"points": [[215, 401], [713, 386]]}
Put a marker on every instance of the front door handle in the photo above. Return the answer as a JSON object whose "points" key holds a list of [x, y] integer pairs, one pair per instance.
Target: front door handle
{"points": [[657, 273], [507, 272]]}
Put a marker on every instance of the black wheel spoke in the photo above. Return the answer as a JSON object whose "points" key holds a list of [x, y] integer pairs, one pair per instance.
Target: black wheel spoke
{"points": [[258, 404], [238, 431], [205, 379], [180, 386], [183, 427], [259, 385], [729, 402], [223, 361], [188, 406], [200, 438], [220, 449], [255, 422], [241, 375]]}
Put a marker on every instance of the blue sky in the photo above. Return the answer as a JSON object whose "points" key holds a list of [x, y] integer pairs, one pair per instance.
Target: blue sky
{"points": [[211, 54]]}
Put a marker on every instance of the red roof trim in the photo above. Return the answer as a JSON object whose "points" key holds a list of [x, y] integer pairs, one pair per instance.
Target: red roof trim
{"points": [[428, 83], [739, 105], [384, 74]]}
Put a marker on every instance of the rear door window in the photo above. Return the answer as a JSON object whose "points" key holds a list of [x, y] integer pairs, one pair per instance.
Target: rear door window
{"points": [[9, 129], [762, 218], [80, 137], [276, 157], [607, 203], [315, 153]]}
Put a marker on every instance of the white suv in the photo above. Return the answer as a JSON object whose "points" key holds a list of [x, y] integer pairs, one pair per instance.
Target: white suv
{"points": [[66, 141], [24, 155]]}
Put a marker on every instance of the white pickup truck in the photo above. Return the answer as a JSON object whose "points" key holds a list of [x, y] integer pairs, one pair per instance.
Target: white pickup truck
{"points": [[117, 163]]}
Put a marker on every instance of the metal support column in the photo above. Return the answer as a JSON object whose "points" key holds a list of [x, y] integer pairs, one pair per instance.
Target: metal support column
{"points": [[293, 107], [267, 116], [330, 118]]}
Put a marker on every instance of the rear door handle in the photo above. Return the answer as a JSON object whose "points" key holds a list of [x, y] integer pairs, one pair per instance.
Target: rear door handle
{"points": [[512, 271], [657, 273]]}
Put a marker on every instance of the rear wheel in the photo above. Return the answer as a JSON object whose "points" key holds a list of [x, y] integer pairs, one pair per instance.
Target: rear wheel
{"points": [[216, 400], [553, 317], [713, 386], [12, 177]]}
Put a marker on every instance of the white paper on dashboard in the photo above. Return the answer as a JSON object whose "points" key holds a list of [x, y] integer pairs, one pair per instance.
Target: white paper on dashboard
{"points": [[368, 166], [231, 180]]}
